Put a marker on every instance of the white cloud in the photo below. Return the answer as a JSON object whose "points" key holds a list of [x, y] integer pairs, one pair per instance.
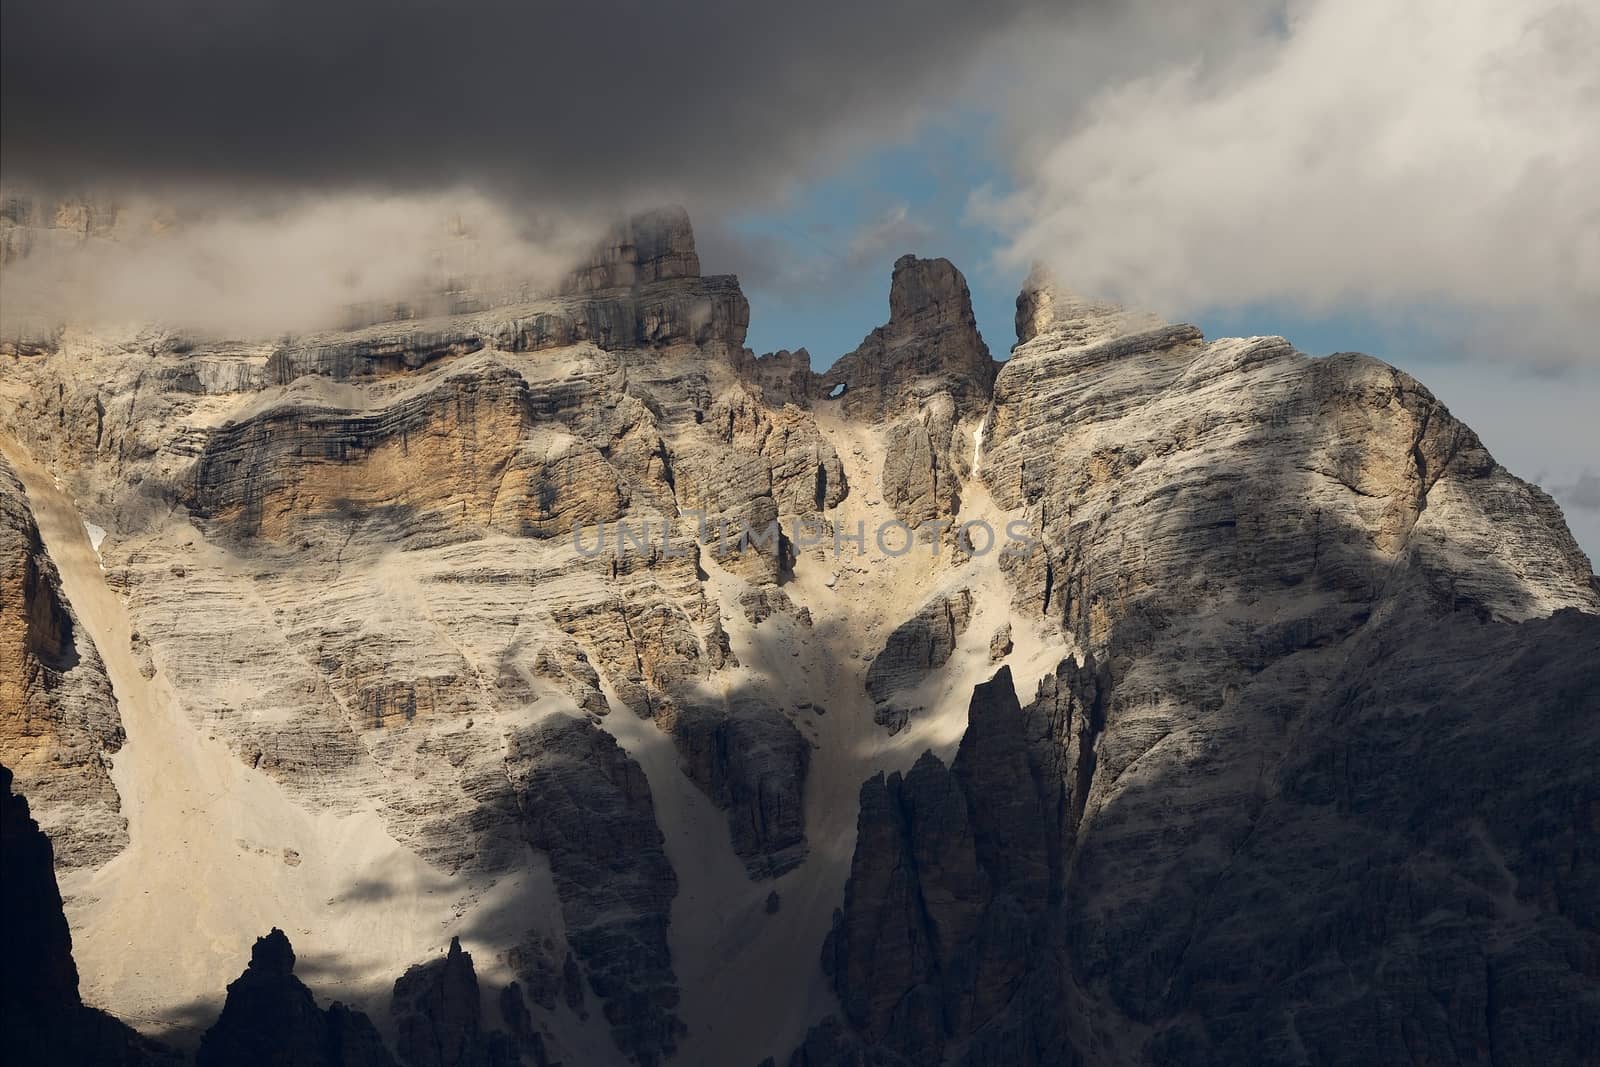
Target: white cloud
{"points": [[886, 236], [262, 269], [1362, 154]]}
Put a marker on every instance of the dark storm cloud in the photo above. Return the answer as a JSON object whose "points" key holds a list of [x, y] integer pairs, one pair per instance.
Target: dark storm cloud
{"points": [[598, 100]]}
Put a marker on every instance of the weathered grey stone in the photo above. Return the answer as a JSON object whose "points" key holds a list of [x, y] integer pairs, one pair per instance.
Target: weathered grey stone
{"points": [[922, 643], [1299, 617], [750, 759], [59, 723], [586, 803], [1000, 644], [929, 345]]}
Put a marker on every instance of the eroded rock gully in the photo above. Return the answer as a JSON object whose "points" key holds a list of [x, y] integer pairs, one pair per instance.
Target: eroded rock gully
{"points": [[1202, 775]]}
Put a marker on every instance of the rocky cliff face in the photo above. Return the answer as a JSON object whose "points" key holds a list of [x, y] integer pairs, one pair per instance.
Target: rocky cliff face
{"points": [[924, 371], [61, 726], [539, 631], [1281, 564], [921, 644], [587, 805], [950, 941], [438, 1017]]}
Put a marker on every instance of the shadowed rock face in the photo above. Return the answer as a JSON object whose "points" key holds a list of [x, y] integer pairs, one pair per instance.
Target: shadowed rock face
{"points": [[586, 803], [752, 762], [1262, 830], [271, 1019], [1433, 893], [437, 1015], [950, 934], [42, 1019], [61, 724]]}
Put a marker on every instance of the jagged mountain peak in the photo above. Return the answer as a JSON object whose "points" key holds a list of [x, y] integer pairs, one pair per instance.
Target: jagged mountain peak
{"points": [[424, 611], [647, 246], [930, 345], [1046, 307]]}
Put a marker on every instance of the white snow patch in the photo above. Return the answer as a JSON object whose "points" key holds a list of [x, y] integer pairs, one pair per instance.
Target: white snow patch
{"points": [[97, 534]]}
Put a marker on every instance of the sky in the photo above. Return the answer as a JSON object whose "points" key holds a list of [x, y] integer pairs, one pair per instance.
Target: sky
{"points": [[1410, 179]]}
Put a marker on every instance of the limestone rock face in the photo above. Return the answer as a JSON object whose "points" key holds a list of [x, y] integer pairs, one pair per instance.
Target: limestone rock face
{"points": [[919, 478], [781, 377], [1298, 637], [438, 1016], [587, 805], [929, 345], [805, 473], [271, 1018], [59, 723], [44, 1019], [923, 371], [455, 493], [649, 247], [922, 643]]}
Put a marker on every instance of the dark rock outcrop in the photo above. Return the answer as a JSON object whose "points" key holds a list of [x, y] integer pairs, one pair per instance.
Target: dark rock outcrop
{"points": [[950, 935], [750, 760], [42, 1018], [270, 1019], [586, 803], [922, 643], [437, 1014], [529, 1041]]}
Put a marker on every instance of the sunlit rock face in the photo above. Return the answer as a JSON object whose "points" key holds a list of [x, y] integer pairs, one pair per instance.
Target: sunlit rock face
{"points": [[61, 725], [926, 373], [436, 643]]}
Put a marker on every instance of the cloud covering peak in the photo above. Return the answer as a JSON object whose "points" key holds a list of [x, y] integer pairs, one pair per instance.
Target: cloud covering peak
{"points": [[1357, 153]]}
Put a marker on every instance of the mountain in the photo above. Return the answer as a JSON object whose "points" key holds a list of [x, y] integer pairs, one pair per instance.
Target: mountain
{"points": [[574, 685]]}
